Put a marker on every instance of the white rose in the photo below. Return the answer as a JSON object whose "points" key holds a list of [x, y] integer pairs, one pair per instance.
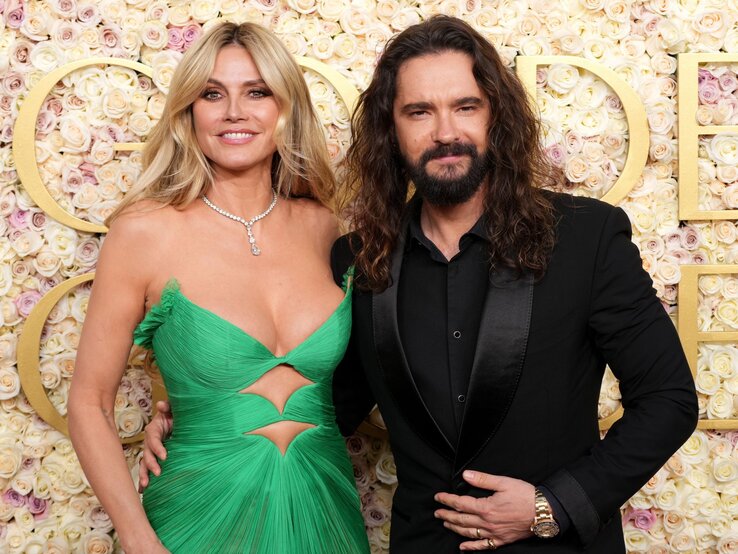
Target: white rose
{"points": [[562, 78], [668, 497], [101, 152], [96, 542], [155, 107], [164, 63], [46, 56], [720, 405], [728, 543], [115, 103], [27, 243], [154, 34], [130, 421], [404, 18], [322, 47], [727, 313], [723, 360], [62, 241], [331, 9], [46, 262], [730, 287], [724, 149], [10, 459]]}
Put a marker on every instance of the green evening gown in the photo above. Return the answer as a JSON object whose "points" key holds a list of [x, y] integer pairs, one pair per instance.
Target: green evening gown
{"points": [[224, 490]]}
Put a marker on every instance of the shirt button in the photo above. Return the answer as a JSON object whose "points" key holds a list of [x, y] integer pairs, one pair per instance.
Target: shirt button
{"points": [[461, 398], [457, 334]]}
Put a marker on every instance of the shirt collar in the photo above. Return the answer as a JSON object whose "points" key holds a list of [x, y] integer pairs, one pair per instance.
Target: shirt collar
{"points": [[416, 235]]}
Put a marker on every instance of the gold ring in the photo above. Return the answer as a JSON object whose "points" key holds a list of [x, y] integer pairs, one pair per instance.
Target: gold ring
{"points": [[479, 533], [491, 544]]}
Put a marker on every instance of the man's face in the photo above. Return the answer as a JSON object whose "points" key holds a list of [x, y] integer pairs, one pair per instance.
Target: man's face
{"points": [[441, 120]]}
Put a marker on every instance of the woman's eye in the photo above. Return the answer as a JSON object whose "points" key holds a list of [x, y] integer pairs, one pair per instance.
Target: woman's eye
{"points": [[211, 95]]}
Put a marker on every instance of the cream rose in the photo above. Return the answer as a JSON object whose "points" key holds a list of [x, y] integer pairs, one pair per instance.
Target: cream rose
{"points": [[727, 313], [76, 133], [720, 405], [723, 148]]}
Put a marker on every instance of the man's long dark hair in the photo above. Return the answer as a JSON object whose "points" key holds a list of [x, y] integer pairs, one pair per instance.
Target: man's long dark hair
{"points": [[520, 220]]}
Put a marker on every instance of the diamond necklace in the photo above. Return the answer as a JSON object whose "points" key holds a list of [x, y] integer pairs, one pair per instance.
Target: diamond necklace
{"points": [[255, 250]]}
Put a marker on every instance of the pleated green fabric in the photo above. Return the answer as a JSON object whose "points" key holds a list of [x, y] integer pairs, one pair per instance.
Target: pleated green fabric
{"points": [[223, 490]]}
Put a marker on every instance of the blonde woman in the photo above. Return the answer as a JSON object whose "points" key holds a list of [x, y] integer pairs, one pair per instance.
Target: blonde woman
{"points": [[218, 260]]}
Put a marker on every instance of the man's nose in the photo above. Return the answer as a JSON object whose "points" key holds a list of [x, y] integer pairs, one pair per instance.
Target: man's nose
{"points": [[446, 130]]}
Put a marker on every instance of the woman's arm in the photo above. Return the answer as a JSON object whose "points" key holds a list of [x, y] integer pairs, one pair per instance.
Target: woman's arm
{"points": [[117, 304]]}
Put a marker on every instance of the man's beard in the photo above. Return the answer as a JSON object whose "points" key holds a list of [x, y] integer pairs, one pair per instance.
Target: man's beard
{"points": [[445, 189]]}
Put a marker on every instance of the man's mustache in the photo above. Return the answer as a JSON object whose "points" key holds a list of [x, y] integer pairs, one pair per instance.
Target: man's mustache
{"points": [[443, 150]]}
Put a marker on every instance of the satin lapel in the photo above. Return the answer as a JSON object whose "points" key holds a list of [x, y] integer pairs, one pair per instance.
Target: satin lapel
{"points": [[498, 361], [391, 359]]}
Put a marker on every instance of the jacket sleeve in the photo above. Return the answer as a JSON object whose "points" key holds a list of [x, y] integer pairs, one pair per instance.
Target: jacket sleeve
{"points": [[634, 335], [352, 396]]}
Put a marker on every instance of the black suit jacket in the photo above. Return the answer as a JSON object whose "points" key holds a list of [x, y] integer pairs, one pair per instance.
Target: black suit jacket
{"points": [[531, 410]]}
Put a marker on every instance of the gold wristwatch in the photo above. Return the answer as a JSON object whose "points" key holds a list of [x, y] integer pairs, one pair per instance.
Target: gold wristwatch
{"points": [[544, 525]]}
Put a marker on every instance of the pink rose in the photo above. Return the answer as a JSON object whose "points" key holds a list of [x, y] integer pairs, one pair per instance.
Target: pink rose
{"points": [[26, 301], [708, 91], [356, 445], [89, 15], [728, 81], [39, 507], [45, 122], [48, 283], [699, 258], [110, 132], [6, 103], [704, 75], [13, 83], [689, 238], [176, 40], [6, 133], [641, 519], [15, 13], [191, 33], [14, 498], [557, 154], [110, 36], [18, 219], [54, 105], [20, 55], [541, 75], [374, 515], [38, 221], [145, 84]]}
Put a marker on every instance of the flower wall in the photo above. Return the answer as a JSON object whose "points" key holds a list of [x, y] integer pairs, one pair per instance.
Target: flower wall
{"points": [[46, 505]]}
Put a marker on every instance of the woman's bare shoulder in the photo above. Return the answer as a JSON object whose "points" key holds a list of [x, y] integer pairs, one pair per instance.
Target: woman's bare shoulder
{"points": [[316, 218]]}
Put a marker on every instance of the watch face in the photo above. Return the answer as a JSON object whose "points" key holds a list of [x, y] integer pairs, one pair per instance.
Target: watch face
{"points": [[546, 529]]}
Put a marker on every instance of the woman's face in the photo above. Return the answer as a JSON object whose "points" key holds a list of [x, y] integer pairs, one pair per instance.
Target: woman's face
{"points": [[235, 116]]}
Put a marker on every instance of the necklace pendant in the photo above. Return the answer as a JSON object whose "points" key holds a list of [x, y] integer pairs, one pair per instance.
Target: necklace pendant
{"points": [[255, 250]]}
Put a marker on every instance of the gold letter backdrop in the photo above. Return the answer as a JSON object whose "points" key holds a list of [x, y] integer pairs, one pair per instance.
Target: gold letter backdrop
{"points": [[625, 89]]}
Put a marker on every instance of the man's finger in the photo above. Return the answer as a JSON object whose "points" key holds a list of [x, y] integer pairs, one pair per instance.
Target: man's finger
{"points": [[461, 519], [480, 545], [149, 463], [485, 481], [467, 504]]}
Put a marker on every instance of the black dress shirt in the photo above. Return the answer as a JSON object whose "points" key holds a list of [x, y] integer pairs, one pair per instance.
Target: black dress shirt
{"points": [[439, 310]]}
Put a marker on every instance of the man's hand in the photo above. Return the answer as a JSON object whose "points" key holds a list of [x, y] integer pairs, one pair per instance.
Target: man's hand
{"points": [[503, 518], [156, 431]]}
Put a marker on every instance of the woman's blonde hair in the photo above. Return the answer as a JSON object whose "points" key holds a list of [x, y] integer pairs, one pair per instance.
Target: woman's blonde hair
{"points": [[176, 172]]}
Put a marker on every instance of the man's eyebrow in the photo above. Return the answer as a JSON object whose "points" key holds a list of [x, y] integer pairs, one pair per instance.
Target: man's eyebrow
{"points": [[468, 101], [416, 106], [423, 106]]}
